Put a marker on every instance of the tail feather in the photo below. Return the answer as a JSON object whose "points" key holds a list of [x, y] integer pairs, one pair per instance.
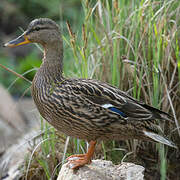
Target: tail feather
{"points": [[159, 138], [159, 114]]}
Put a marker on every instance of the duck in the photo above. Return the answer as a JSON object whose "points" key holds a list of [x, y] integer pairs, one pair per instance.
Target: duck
{"points": [[86, 109]]}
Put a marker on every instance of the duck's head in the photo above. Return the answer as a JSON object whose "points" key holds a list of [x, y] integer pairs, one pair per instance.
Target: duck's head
{"points": [[43, 31]]}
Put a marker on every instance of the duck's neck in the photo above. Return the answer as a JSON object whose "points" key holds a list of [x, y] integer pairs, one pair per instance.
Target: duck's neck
{"points": [[52, 65]]}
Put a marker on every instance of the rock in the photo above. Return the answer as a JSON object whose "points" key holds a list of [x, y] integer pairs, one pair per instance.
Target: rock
{"points": [[103, 170], [19, 122], [29, 111], [16, 118], [12, 124], [15, 156], [9, 111]]}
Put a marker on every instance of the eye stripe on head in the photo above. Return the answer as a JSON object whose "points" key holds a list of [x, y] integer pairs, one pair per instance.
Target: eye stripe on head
{"points": [[37, 29]]}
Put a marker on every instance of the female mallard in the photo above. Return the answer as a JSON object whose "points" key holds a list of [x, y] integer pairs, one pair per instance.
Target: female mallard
{"points": [[85, 108]]}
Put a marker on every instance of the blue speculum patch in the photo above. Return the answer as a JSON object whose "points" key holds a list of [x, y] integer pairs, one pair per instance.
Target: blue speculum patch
{"points": [[117, 111]]}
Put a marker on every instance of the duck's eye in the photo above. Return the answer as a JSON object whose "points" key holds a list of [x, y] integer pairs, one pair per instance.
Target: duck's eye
{"points": [[37, 28]]}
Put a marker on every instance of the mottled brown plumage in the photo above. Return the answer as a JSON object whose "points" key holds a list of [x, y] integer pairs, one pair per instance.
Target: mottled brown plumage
{"points": [[85, 108]]}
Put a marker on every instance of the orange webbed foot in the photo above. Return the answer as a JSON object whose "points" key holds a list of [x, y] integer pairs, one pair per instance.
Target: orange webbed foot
{"points": [[79, 160]]}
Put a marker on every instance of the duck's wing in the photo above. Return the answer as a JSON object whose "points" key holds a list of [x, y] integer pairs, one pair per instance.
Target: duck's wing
{"points": [[111, 98], [104, 107]]}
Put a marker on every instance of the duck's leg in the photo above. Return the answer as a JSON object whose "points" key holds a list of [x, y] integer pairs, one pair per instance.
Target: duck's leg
{"points": [[78, 160]]}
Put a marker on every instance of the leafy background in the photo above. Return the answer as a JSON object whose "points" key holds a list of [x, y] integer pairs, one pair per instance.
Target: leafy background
{"points": [[134, 45]]}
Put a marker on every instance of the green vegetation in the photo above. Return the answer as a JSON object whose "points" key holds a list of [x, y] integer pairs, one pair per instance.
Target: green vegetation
{"points": [[133, 45]]}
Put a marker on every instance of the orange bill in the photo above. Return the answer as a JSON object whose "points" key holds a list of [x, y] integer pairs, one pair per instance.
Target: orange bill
{"points": [[18, 41]]}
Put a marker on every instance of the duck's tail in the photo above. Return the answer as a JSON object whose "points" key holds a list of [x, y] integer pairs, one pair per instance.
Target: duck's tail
{"points": [[158, 114], [159, 138]]}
